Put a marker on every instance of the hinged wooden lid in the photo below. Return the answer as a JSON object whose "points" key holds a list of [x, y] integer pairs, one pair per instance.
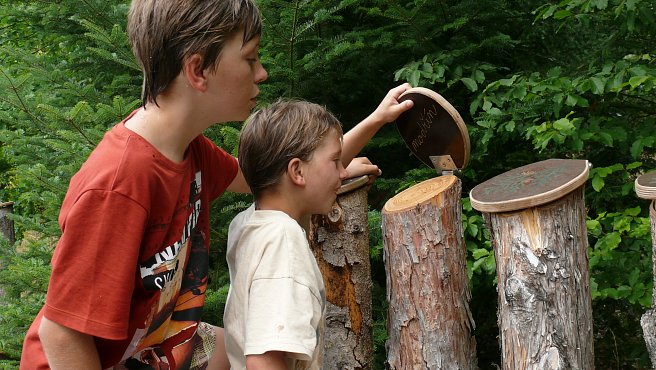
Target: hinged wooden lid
{"points": [[434, 128], [418, 193], [645, 186], [529, 186]]}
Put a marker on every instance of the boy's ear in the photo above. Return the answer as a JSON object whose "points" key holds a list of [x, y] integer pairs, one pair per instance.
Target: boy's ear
{"points": [[296, 171], [192, 68]]}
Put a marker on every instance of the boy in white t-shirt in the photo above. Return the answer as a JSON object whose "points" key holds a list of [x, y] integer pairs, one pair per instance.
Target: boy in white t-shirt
{"points": [[291, 156]]}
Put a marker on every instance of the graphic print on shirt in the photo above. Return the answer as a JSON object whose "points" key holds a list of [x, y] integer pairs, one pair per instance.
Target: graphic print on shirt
{"points": [[179, 272]]}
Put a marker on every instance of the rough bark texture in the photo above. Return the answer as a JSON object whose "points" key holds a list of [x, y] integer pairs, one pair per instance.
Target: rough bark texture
{"points": [[429, 320], [648, 320], [7, 225], [340, 242], [545, 308]]}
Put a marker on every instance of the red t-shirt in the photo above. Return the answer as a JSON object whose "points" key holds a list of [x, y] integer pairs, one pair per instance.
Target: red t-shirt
{"points": [[131, 265]]}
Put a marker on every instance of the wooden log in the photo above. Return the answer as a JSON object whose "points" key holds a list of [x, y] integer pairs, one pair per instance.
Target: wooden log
{"points": [[429, 321], [645, 187], [537, 227], [7, 225], [340, 242]]}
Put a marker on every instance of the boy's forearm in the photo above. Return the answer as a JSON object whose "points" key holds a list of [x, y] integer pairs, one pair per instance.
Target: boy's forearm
{"points": [[66, 348], [358, 137]]}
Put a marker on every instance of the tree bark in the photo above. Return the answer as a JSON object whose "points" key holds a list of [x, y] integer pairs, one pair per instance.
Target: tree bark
{"points": [[545, 308], [340, 242], [648, 320], [7, 225], [429, 321]]}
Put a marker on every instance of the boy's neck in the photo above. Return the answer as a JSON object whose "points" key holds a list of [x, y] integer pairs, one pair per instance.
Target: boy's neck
{"points": [[282, 202], [168, 127]]}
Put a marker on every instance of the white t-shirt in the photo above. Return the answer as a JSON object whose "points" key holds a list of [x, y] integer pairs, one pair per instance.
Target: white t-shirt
{"points": [[277, 297]]}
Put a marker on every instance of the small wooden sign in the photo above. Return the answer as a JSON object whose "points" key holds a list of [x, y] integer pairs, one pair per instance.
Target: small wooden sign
{"points": [[645, 186], [529, 186], [434, 128]]}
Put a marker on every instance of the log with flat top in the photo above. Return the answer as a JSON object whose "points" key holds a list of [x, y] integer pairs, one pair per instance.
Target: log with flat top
{"points": [[645, 187], [429, 320], [340, 243], [536, 218]]}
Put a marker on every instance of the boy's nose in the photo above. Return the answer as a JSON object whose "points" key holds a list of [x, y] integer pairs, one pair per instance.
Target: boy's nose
{"points": [[261, 75], [342, 172]]}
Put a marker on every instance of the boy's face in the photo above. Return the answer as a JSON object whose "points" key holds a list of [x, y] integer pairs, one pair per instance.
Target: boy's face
{"points": [[233, 85], [325, 173]]}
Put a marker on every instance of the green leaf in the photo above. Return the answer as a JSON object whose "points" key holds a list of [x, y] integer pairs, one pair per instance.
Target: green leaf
{"points": [[598, 183], [480, 253], [636, 81], [598, 85], [563, 124], [469, 83]]}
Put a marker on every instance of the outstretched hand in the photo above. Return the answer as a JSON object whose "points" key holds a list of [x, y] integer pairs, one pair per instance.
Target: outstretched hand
{"points": [[389, 108]]}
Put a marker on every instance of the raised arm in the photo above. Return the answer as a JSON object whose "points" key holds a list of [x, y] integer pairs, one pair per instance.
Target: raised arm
{"points": [[387, 111]]}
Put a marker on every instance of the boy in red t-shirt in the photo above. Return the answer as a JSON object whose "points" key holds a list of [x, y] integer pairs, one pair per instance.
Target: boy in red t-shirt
{"points": [[129, 272]]}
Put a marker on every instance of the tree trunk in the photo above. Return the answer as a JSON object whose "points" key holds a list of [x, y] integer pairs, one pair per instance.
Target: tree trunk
{"points": [[429, 322], [545, 309], [648, 320], [7, 225], [340, 242]]}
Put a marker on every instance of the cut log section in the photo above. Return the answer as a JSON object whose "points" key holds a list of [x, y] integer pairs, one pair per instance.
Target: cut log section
{"points": [[645, 187], [429, 321], [536, 217], [340, 243]]}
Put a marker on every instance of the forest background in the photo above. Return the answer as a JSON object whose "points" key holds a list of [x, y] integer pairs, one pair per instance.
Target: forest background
{"points": [[533, 80]]}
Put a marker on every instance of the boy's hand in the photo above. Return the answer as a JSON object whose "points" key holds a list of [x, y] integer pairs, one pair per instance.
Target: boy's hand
{"points": [[390, 109], [362, 166]]}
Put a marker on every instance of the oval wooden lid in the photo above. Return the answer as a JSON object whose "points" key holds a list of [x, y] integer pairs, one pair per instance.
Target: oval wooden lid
{"points": [[529, 186], [352, 184], [645, 185], [433, 127], [419, 193]]}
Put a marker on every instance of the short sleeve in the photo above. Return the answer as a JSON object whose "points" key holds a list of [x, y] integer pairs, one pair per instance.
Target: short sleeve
{"points": [[283, 315], [219, 166], [93, 267]]}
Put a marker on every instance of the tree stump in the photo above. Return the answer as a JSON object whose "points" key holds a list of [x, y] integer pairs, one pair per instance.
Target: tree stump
{"points": [[7, 225], [645, 186], [429, 321], [540, 242], [340, 242]]}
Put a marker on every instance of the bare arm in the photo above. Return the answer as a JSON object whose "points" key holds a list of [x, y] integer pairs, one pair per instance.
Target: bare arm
{"points": [[66, 348], [238, 184], [388, 110], [272, 360]]}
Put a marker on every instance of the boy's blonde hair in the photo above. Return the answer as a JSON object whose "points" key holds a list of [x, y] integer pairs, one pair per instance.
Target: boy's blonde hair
{"points": [[164, 33], [274, 135]]}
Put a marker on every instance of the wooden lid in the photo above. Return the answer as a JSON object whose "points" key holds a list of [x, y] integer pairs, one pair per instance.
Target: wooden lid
{"points": [[352, 184], [419, 193], [645, 185], [530, 185], [433, 127]]}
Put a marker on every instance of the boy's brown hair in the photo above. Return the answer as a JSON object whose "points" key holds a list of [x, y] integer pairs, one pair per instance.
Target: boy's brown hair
{"points": [[274, 135], [164, 33]]}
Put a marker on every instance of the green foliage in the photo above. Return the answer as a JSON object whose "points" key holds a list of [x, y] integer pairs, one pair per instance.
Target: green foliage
{"points": [[533, 80]]}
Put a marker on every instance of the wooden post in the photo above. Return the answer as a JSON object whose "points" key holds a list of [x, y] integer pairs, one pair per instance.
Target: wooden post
{"points": [[340, 242], [429, 322], [536, 218], [645, 187], [7, 225]]}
